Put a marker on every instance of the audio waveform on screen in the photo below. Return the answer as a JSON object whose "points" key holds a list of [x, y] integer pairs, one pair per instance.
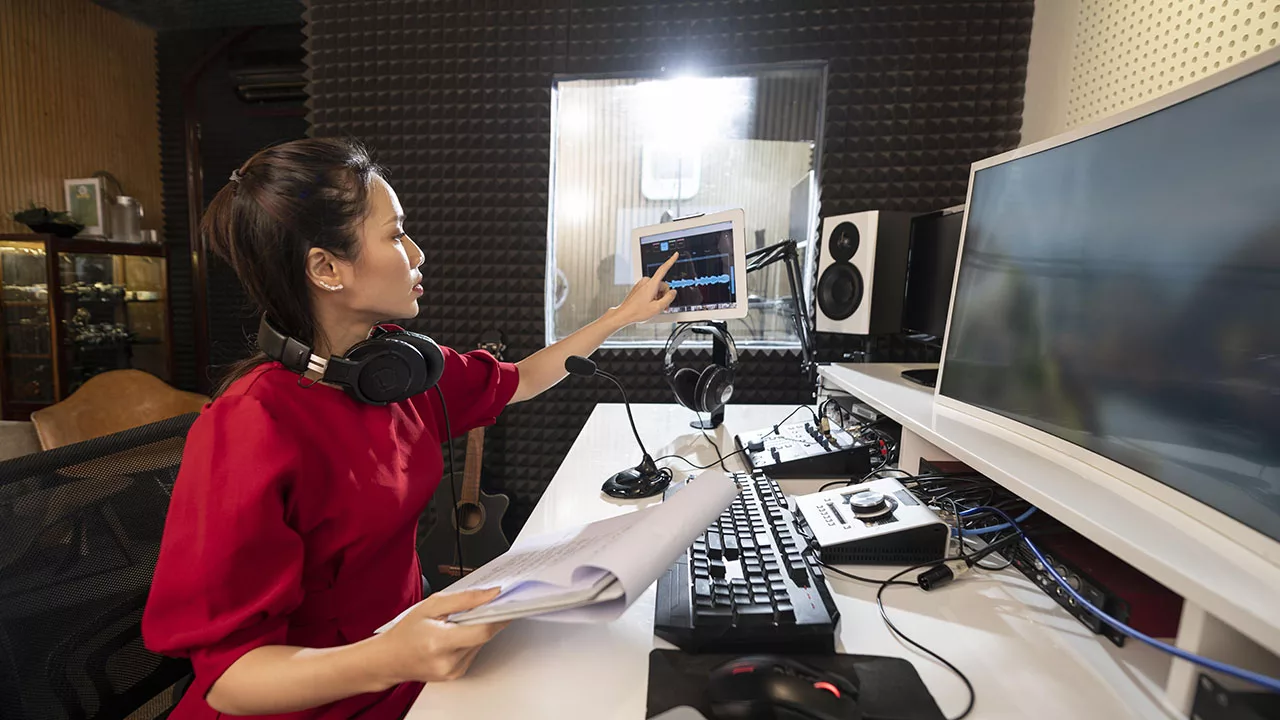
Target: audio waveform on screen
{"points": [[709, 280]]}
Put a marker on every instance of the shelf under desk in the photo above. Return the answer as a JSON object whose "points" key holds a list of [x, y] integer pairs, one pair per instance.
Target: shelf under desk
{"points": [[1025, 656], [1229, 591]]}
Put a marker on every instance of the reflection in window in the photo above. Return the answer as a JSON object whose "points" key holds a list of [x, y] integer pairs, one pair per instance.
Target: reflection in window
{"points": [[630, 152]]}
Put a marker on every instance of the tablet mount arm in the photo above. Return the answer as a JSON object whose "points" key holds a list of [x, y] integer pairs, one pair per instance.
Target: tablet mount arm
{"points": [[786, 252]]}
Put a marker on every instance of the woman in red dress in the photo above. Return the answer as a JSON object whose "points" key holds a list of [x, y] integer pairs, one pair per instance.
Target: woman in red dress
{"points": [[290, 535]]}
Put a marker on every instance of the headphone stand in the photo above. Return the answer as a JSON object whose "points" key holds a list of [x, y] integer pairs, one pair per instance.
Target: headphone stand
{"points": [[719, 356]]}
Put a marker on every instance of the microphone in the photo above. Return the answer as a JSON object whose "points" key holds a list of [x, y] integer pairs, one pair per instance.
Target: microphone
{"points": [[643, 480]]}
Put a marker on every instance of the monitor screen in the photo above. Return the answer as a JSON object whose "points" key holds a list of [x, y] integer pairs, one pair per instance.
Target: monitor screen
{"points": [[703, 277], [931, 268], [1122, 292]]}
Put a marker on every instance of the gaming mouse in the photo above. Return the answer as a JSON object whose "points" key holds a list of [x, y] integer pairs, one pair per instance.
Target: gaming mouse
{"points": [[772, 686]]}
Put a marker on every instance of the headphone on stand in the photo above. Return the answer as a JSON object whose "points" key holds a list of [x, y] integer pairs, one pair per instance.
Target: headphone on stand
{"points": [[710, 389], [392, 365]]}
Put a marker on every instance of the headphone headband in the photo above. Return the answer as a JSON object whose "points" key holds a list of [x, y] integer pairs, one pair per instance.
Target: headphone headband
{"points": [[685, 331], [290, 352]]}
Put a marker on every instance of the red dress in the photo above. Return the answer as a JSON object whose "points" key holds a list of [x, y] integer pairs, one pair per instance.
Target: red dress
{"points": [[293, 521]]}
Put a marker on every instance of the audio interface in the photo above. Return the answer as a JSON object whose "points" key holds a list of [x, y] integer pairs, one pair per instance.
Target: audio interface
{"points": [[803, 450]]}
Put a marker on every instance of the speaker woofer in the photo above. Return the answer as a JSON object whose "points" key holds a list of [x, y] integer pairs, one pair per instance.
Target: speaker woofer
{"points": [[844, 242], [840, 291]]}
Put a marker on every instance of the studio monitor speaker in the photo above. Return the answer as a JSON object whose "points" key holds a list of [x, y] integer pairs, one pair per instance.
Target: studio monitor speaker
{"points": [[862, 272]]}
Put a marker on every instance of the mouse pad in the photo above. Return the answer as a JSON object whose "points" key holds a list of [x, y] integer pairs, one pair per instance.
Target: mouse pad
{"points": [[891, 689]]}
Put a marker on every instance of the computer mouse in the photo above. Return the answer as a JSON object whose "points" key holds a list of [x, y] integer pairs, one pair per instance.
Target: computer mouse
{"points": [[757, 687]]}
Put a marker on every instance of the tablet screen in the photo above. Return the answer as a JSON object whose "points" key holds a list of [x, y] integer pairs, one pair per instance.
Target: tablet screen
{"points": [[703, 277]]}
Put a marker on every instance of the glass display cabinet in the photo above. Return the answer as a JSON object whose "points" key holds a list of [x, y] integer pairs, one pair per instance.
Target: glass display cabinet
{"points": [[74, 308]]}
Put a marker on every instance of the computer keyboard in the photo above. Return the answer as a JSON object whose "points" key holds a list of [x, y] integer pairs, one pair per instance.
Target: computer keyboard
{"points": [[746, 584]]}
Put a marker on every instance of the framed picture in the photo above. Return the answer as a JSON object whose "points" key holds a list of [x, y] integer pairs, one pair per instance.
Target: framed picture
{"points": [[85, 203]]}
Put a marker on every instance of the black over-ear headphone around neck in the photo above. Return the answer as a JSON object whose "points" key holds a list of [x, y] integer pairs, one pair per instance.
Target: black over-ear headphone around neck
{"points": [[393, 364], [708, 390]]}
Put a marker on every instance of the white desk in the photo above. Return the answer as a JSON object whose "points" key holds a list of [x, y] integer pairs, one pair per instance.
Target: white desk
{"points": [[1025, 656]]}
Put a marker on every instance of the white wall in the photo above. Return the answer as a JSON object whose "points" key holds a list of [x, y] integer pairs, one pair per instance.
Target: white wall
{"points": [[1053, 32], [1092, 58]]}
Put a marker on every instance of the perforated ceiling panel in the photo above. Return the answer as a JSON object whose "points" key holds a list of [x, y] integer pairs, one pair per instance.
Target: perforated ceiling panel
{"points": [[454, 97], [1127, 52]]}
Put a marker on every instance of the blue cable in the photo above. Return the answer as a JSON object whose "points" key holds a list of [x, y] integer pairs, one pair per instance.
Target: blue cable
{"points": [[993, 528], [1270, 683]]}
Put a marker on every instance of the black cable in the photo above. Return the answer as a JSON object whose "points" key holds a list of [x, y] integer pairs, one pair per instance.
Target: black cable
{"points": [[453, 488], [1008, 561], [894, 628], [696, 466], [722, 458], [719, 457], [859, 578], [884, 583]]}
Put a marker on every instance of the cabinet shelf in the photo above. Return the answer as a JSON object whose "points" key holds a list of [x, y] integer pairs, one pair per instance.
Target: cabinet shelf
{"points": [[93, 282]]}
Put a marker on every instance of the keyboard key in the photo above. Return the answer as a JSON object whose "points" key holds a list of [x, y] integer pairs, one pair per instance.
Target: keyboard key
{"points": [[753, 615], [702, 588], [701, 572], [717, 568], [760, 598], [772, 566], [799, 575], [714, 548], [778, 588], [730, 547], [714, 615]]}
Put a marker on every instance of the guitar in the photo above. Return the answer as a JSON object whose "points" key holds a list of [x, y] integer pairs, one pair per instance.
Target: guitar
{"points": [[477, 515]]}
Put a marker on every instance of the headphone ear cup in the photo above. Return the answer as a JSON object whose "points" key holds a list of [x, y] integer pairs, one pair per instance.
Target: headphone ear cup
{"points": [[685, 384], [710, 386], [387, 370], [431, 353]]}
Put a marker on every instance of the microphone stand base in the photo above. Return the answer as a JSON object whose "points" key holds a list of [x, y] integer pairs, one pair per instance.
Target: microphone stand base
{"points": [[631, 484]]}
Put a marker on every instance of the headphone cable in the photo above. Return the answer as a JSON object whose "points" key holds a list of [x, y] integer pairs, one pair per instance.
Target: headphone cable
{"points": [[453, 489]]}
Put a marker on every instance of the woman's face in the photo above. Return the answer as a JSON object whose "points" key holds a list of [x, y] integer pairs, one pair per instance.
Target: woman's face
{"points": [[385, 281]]}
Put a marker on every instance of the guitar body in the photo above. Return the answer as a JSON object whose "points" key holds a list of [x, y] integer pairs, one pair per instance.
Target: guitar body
{"points": [[460, 515], [481, 529]]}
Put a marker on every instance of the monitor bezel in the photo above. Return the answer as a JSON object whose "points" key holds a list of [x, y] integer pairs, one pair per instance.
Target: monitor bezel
{"points": [[1049, 445], [738, 220]]}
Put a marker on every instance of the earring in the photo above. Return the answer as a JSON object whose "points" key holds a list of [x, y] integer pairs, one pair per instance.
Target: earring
{"points": [[331, 288]]}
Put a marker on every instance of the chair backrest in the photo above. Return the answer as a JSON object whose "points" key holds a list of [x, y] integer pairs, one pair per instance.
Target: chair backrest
{"points": [[110, 402], [80, 530]]}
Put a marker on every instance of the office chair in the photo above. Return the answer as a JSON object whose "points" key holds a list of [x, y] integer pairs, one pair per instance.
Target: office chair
{"points": [[80, 530]]}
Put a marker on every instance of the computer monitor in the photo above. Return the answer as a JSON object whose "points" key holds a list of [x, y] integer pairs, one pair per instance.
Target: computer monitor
{"points": [[710, 276], [1118, 299], [931, 268]]}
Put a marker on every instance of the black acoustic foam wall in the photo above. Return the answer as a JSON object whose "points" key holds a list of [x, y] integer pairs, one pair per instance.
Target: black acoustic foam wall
{"points": [[230, 131], [454, 97]]}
